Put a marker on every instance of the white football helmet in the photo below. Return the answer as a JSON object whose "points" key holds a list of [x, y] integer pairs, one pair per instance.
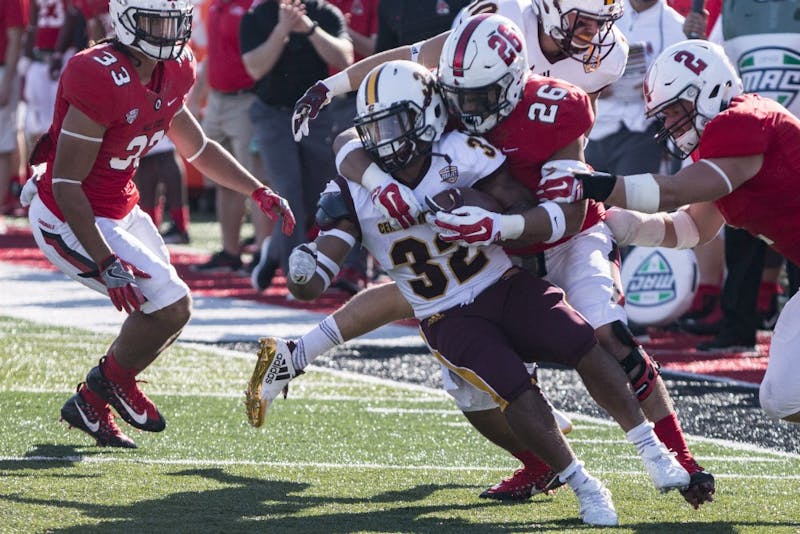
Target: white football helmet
{"points": [[482, 71], [158, 28], [400, 113], [560, 20], [698, 75]]}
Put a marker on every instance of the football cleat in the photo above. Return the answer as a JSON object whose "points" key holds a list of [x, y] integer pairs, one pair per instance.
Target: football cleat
{"points": [[701, 489], [127, 399], [100, 424], [595, 504], [665, 471], [274, 369], [523, 484]]}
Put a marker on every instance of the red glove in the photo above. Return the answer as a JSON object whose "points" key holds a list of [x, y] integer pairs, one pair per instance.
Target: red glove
{"points": [[397, 203], [274, 206], [119, 279], [563, 188], [307, 108]]}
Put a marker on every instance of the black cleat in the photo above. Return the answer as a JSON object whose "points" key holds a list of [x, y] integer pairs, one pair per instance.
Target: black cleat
{"points": [[80, 414], [128, 400]]}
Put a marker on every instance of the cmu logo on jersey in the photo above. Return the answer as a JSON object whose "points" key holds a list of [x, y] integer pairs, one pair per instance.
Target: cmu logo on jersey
{"points": [[772, 72], [652, 283]]}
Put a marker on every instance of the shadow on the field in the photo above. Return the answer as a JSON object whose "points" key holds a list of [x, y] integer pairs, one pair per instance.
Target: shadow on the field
{"points": [[247, 504], [48, 456]]}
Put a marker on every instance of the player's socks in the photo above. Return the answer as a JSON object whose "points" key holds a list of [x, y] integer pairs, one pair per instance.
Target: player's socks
{"points": [[180, 216], [668, 430], [322, 338], [642, 436], [113, 371], [574, 474]]}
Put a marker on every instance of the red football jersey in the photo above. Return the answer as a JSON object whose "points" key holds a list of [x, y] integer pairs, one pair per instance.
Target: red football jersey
{"points": [[102, 83], [551, 115], [768, 204]]}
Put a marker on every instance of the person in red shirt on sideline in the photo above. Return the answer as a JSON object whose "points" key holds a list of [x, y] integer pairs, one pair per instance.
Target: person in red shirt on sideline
{"points": [[227, 86], [13, 20], [362, 24], [746, 152], [115, 101]]}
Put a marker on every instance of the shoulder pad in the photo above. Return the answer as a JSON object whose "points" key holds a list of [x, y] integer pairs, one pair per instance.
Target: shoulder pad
{"points": [[332, 208]]}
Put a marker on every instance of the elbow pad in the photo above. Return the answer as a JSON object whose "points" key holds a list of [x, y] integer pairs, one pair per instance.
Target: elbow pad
{"points": [[332, 208]]}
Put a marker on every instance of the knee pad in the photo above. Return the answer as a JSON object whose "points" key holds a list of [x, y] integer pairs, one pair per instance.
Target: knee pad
{"points": [[645, 369]]}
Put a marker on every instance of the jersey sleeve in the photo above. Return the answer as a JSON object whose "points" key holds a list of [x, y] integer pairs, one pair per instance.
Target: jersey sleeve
{"points": [[188, 71], [732, 134], [475, 157], [88, 85]]}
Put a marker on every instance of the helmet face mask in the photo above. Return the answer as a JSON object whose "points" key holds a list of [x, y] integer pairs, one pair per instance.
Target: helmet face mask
{"points": [[392, 137], [159, 29], [400, 114], [480, 108], [689, 83], [581, 28], [482, 71]]}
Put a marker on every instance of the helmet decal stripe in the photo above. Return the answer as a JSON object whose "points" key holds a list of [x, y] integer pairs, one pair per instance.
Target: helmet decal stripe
{"points": [[371, 94], [463, 41]]}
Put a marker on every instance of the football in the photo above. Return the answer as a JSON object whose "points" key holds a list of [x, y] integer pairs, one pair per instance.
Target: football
{"points": [[455, 197]]}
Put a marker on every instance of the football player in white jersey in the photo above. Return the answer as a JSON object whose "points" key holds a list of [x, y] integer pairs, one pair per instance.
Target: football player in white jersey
{"points": [[578, 257], [482, 317], [574, 40]]}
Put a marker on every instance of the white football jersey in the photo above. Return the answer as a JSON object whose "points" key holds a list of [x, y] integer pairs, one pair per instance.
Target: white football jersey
{"points": [[432, 275], [589, 78]]}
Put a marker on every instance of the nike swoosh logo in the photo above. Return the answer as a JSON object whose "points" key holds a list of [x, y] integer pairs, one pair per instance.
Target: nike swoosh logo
{"points": [[140, 418], [558, 187], [172, 101], [93, 427], [507, 150]]}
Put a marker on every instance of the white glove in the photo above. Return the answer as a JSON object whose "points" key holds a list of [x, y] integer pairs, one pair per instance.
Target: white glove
{"points": [[303, 263], [29, 190], [394, 200], [471, 225]]}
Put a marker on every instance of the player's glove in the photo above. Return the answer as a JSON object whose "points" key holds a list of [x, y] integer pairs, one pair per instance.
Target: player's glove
{"points": [[303, 263], [273, 206], [394, 200], [119, 278], [307, 108], [572, 185], [471, 225], [29, 190]]}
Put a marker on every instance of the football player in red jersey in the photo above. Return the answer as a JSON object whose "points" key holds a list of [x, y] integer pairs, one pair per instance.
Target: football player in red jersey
{"points": [[746, 152], [538, 123], [114, 102]]}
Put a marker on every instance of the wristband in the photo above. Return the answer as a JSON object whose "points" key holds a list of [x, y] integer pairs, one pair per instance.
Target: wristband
{"points": [[327, 269], [338, 84], [642, 193], [511, 226], [558, 222], [373, 177], [597, 186], [312, 29], [347, 148], [416, 48], [340, 234]]}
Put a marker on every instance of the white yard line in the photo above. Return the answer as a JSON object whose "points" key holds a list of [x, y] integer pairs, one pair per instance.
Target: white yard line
{"points": [[330, 465]]}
